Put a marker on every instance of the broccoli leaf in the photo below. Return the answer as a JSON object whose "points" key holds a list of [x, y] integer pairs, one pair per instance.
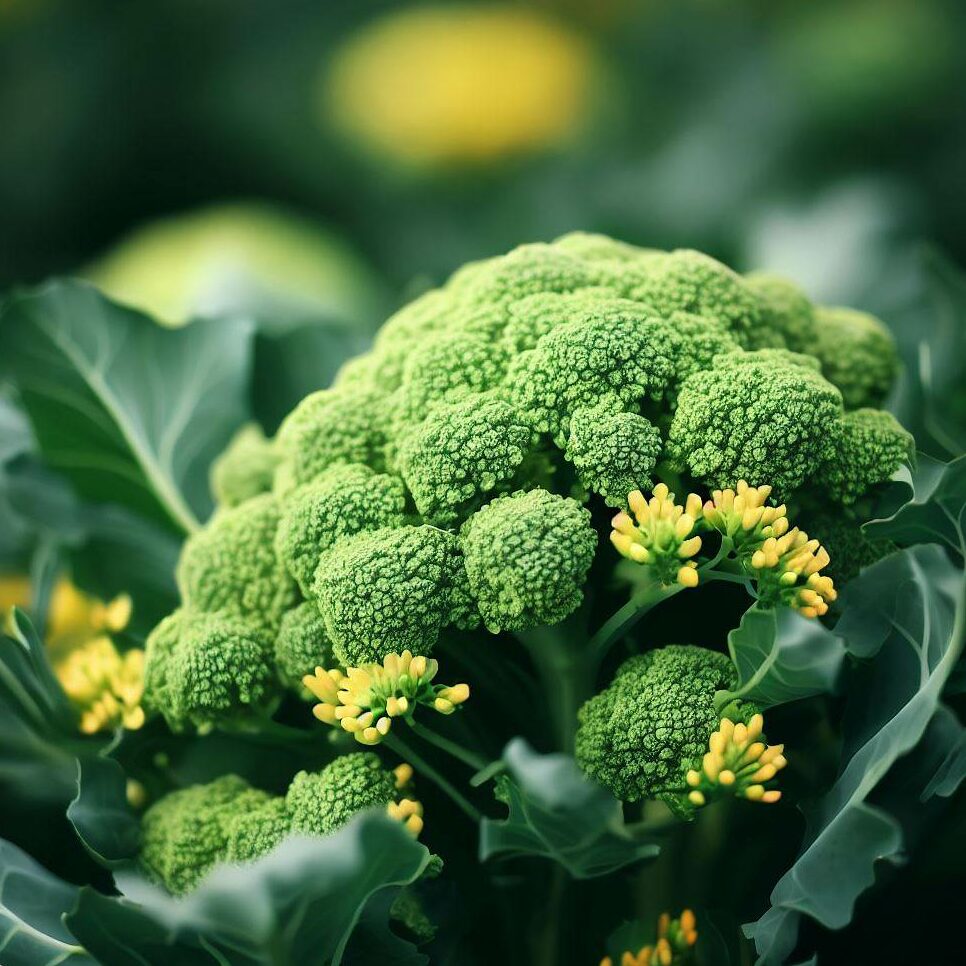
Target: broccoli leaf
{"points": [[130, 412], [32, 905], [100, 812], [40, 739], [558, 814], [301, 903], [781, 656], [905, 619]]}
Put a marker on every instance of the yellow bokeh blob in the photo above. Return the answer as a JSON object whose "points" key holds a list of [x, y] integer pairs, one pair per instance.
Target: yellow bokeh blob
{"points": [[440, 86]]}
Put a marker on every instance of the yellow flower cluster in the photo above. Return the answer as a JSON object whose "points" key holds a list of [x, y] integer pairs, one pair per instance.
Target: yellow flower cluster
{"points": [[365, 700], [676, 939], [105, 686], [783, 561], [738, 762], [662, 535]]}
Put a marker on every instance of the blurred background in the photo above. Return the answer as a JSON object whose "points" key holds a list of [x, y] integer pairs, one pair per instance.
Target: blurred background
{"points": [[313, 165]]}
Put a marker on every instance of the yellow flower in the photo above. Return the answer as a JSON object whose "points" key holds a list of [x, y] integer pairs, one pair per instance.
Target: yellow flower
{"points": [[675, 943], [661, 535], [445, 85], [742, 516], [789, 568], [409, 812], [103, 685], [365, 700], [738, 762]]}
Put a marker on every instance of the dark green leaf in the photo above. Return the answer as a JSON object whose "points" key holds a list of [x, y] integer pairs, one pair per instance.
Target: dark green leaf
{"points": [[300, 904], [557, 813], [32, 906], [100, 813], [130, 412], [904, 619], [781, 656]]}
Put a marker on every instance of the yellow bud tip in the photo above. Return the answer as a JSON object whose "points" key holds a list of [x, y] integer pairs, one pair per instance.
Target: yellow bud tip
{"points": [[414, 824], [663, 923], [694, 778], [696, 798], [741, 733], [404, 774], [688, 921], [443, 706], [754, 793], [770, 797], [755, 726], [688, 577], [689, 547], [726, 777], [638, 553], [663, 951]]}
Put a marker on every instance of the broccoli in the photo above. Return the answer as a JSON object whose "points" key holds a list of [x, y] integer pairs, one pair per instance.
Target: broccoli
{"points": [[230, 567], [787, 314], [345, 499], [185, 834], [384, 591], [245, 469], [205, 669], [527, 556], [642, 735], [319, 803], [302, 644]]}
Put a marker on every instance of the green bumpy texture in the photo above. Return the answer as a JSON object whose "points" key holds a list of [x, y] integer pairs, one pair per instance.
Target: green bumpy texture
{"points": [[387, 509], [527, 556], [320, 803], [302, 645], [230, 567], [346, 499], [185, 834], [641, 735], [245, 469], [389, 590], [206, 669]]}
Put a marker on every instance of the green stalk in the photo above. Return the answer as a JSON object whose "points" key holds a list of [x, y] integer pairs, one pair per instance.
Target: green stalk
{"points": [[453, 748], [422, 767]]}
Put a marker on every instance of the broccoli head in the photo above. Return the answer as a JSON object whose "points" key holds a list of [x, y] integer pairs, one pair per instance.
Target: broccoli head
{"points": [[871, 446], [787, 314], [527, 556], [345, 499], [319, 803], [302, 645], [186, 833], [204, 669], [245, 469], [256, 830], [230, 566], [389, 590], [642, 735], [613, 453], [755, 416]]}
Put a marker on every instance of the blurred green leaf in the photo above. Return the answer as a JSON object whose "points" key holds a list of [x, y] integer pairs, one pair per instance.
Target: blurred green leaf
{"points": [[905, 618], [131, 413], [100, 813], [557, 813], [781, 656], [299, 904], [32, 905]]}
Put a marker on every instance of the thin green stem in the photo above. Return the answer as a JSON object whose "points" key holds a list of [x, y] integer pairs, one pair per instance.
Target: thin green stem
{"points": [[396, 744], [469, 758], [620, 623]]}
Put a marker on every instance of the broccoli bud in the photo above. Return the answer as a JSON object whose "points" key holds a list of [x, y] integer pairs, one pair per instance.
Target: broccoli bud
{"points": [[642, 735], [302, 644], [527, 556], [245, 469]]}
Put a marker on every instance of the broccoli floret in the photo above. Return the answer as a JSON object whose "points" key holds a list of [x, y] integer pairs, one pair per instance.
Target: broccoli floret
{"points": [[616, 360], [701, 340], [185, 834], [332, 426], [344, 500], [320, 803], [245, 469], [462, 452], [302, 645], [759, 420], [787, 314], [641, 735], [870, 447], [387, 590], [613, 453], [857, 353], [257, 830], [531, 318], [689, 281], [599, 248], [527, 556], [203, 669], [230, 566]]}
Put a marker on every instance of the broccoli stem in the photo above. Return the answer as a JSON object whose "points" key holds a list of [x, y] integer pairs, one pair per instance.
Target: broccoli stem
{"points": [[453, 748], [422, 767]]}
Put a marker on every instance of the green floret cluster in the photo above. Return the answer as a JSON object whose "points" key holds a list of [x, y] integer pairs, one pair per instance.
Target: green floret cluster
{"points": [[441, 481], [188, 832], [641, 735]]}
